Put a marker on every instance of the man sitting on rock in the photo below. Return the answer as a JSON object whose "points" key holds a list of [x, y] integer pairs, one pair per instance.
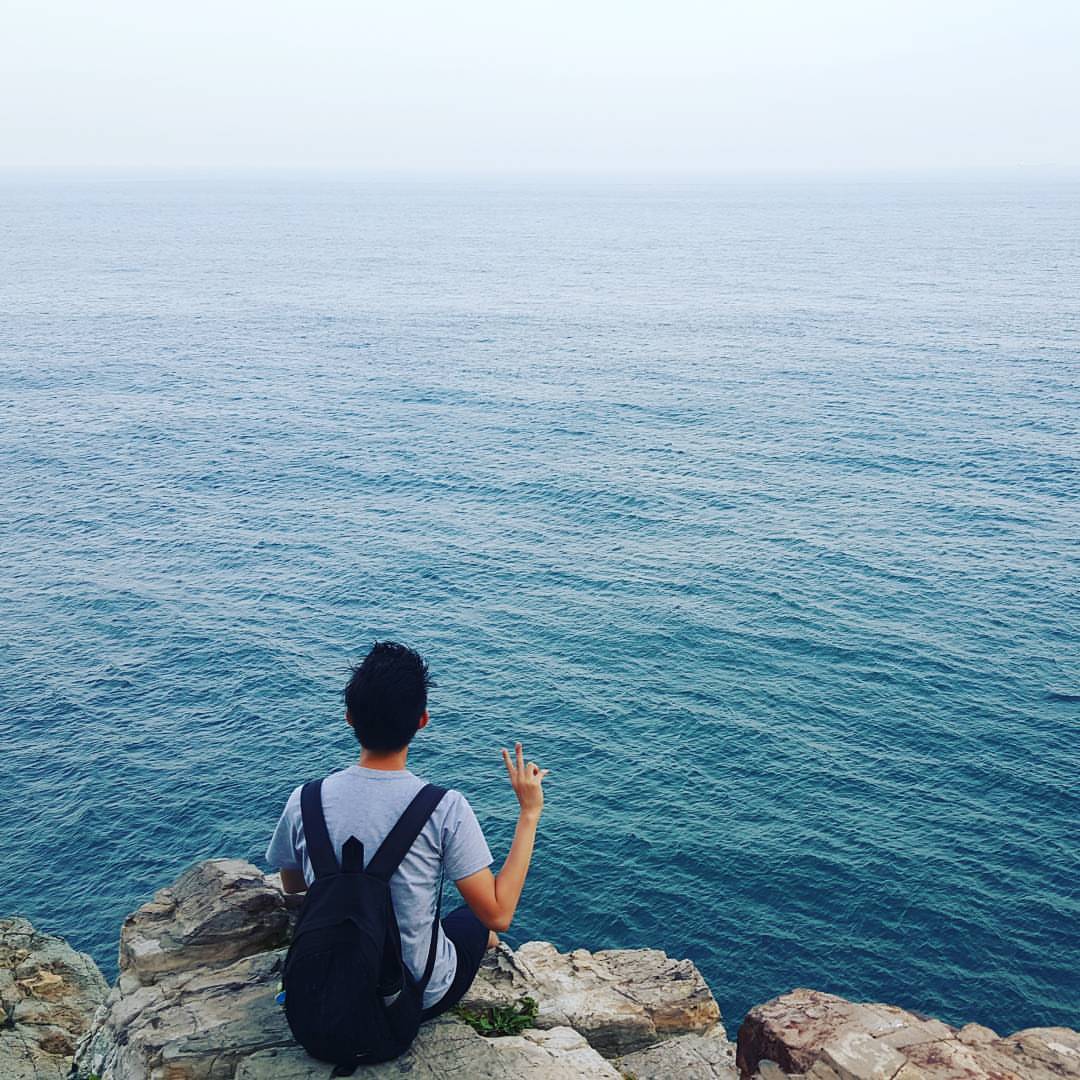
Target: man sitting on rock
{"points": [[385, 705]]}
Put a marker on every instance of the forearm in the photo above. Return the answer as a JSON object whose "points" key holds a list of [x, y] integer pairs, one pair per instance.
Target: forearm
{"points": [[510, 880], [292, 881]]}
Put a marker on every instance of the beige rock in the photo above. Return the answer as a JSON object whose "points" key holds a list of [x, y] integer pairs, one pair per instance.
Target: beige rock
{"points": [[707, 1056], [202, 962], [855, 1055], [622, 1000], [215, 913], [1035, 1053], [567, 1050], [911, 1072], [880, 1020], [922, 1031], [945, 1059], [50, 993], [673, 992], [973, 1034]]}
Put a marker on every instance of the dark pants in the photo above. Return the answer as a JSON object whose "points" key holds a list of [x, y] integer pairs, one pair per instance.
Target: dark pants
{"points": [[470, 938]]}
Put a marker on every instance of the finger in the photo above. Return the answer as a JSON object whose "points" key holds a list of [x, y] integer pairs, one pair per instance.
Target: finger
{"points": [[509, 767], [520, 757], [543, 773], [532, 769]]}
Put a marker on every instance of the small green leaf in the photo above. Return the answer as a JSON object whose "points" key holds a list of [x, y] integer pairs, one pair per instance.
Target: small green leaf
{"points": [[499, 1020]]}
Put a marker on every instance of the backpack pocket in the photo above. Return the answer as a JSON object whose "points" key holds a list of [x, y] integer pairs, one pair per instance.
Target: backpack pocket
{"points": [[333, 1008], [402, 1015]]}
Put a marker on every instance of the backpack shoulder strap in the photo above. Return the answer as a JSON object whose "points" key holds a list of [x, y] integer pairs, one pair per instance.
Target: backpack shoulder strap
{"points": [[320, 850], [400, 838]]}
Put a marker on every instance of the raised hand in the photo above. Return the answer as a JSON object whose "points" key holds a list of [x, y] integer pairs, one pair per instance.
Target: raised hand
{"points": [[526, 779]]}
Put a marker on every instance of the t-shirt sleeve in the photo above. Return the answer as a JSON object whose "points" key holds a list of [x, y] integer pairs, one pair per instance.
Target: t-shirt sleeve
{"points": [[282, 853], [465, 851]]}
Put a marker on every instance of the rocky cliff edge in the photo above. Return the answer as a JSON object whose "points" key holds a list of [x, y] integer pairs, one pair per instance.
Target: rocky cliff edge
{"points": [[200, 966]]}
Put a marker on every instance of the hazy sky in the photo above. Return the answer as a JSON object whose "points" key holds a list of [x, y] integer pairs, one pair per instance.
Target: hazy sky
{"points": [[498, 85]]}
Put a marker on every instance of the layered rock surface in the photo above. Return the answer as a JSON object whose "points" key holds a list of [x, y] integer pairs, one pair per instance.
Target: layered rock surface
{"points": [[200, 966], [621, 1000], [824, 1037], [48, 996]]}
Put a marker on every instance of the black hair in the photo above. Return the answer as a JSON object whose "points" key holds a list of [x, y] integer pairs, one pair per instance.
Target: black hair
{"points": [[387, 695]]}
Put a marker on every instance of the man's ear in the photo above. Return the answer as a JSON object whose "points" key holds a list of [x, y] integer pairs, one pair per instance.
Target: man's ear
{"points": [[348, 719], [423, 720]]}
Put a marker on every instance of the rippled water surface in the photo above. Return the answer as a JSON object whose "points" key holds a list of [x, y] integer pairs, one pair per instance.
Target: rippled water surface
{"points": [[751, 509]]}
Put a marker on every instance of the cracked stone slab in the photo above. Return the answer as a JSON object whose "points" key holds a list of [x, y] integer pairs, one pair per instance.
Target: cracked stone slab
{"points": [[709, 1056], [922, 1031], [448, 1049], [622, 1000], [856, 1055]]}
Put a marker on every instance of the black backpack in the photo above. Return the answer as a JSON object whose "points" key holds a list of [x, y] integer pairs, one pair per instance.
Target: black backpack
{"points": [[349, 997]]}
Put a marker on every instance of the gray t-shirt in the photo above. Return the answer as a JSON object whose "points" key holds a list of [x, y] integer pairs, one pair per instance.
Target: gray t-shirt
{"points": [[366, 803]]}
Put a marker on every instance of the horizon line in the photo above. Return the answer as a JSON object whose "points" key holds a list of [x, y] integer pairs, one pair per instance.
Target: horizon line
{"points": [[1059, 173]]}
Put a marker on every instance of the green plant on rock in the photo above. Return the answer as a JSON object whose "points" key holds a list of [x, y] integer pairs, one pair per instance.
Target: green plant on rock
{"points": [[496, 1020]]}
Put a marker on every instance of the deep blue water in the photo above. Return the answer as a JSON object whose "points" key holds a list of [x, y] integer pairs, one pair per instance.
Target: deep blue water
{"points": [[751, 509]]}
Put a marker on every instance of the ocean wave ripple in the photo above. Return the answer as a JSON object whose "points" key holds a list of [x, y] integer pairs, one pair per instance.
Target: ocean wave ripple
{"points": [[751, 510]]}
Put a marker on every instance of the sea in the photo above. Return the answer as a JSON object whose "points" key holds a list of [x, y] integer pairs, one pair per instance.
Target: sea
{"points": [[751, 507]]}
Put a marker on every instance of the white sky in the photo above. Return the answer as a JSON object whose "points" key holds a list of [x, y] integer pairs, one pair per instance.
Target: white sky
{"points": [[558, 86]]}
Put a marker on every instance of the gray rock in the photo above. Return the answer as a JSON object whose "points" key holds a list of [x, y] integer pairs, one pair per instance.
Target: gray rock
{"points": [[449, 1048], [215, 913], [707, 1056], [48, 996], [191, 1024]]}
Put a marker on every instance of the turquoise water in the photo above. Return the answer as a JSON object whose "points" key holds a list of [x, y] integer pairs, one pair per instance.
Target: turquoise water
{"points": [[751, 509]]}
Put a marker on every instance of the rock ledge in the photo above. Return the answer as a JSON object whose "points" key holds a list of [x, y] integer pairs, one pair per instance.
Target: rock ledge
{"points": [[824, 1037], [200, 966], [201, 962]]}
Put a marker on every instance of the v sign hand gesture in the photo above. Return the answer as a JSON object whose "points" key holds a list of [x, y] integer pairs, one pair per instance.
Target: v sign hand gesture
{"points": [[527, 781], [493, 899]]}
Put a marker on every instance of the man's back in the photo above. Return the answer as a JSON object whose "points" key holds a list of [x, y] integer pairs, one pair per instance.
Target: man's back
{"points": [[366, 803], [386, 705]]}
